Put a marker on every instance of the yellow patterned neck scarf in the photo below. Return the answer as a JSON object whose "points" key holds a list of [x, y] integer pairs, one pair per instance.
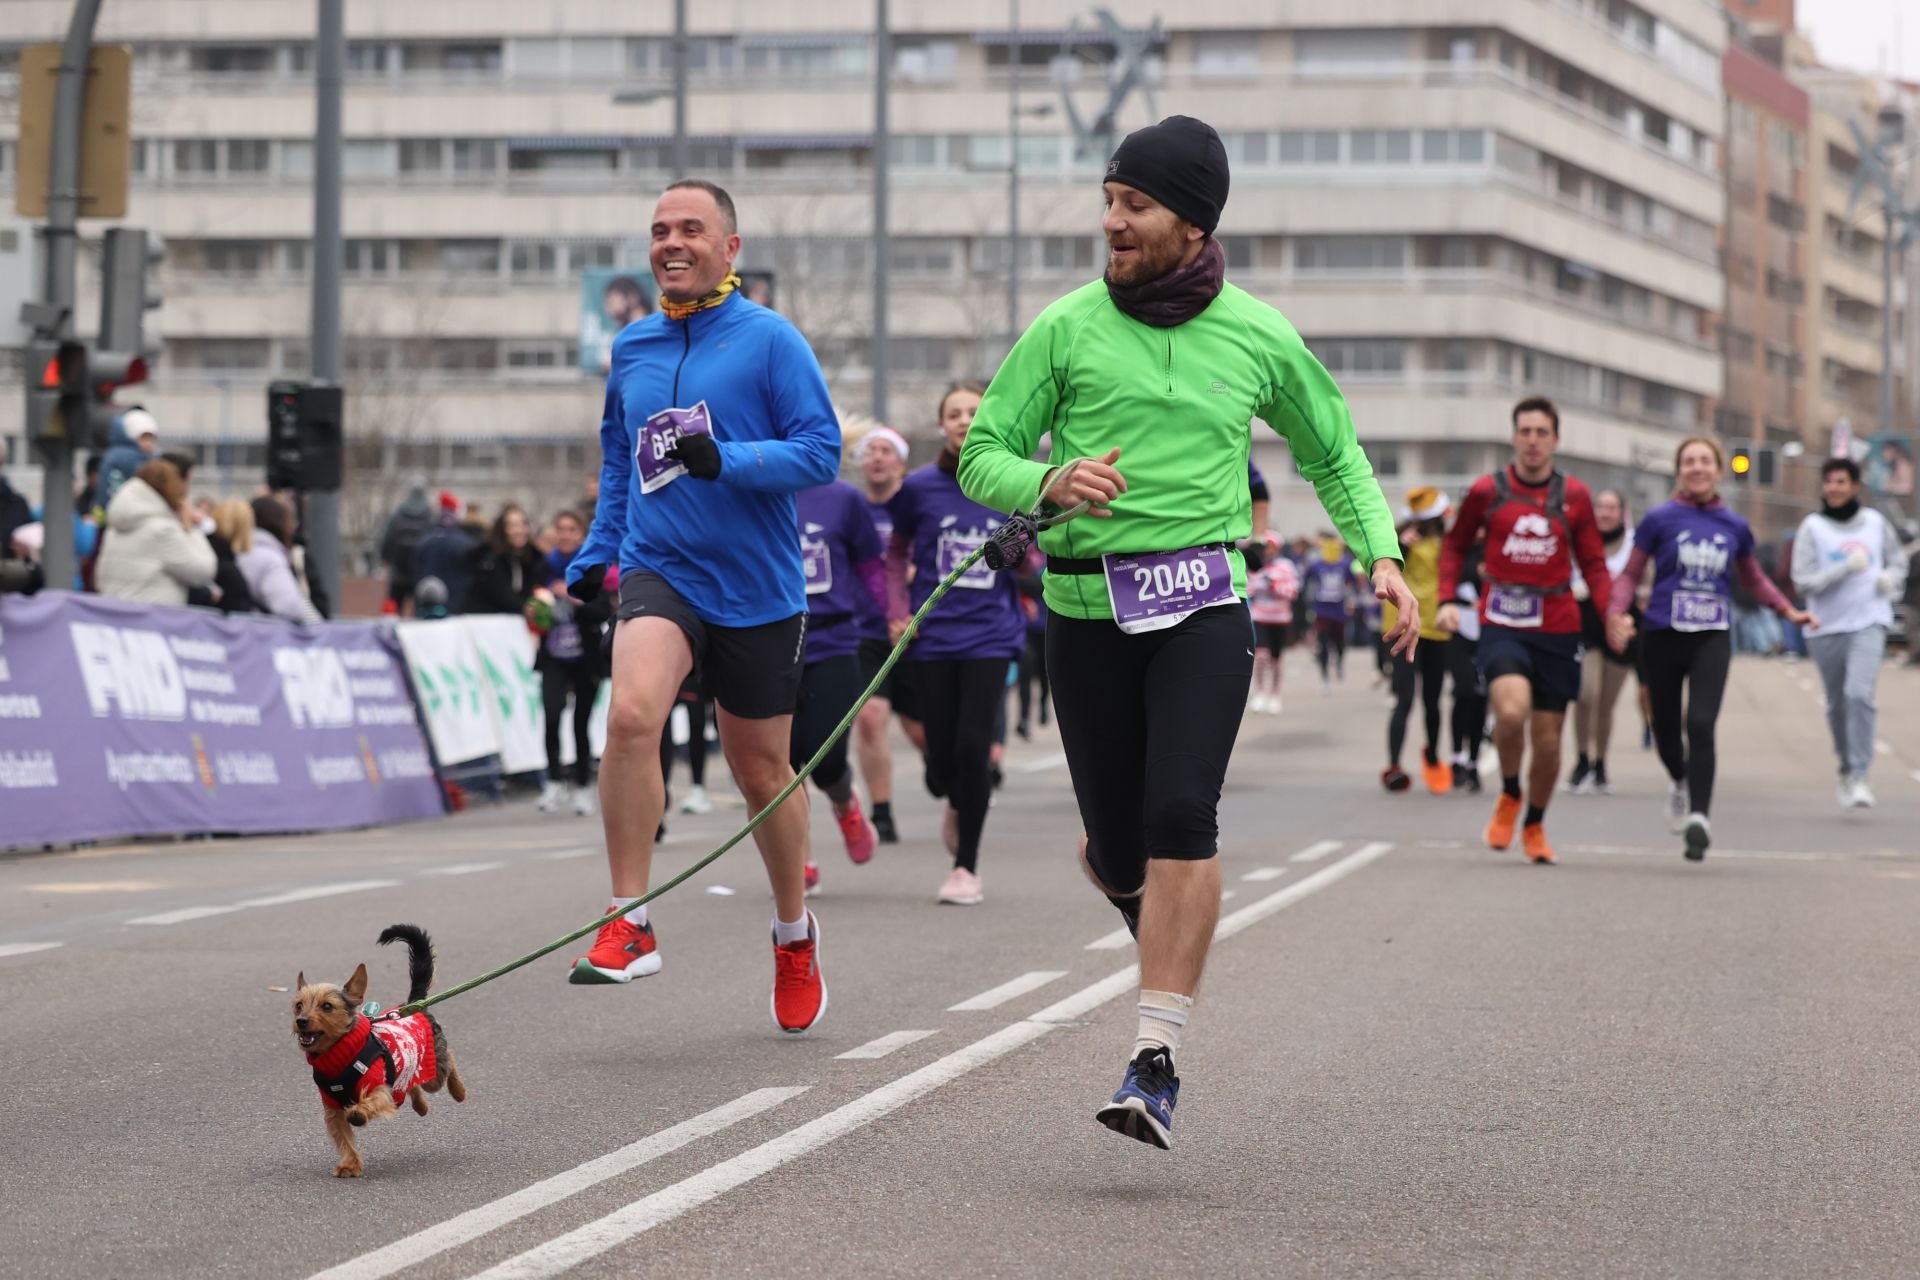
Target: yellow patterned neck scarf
{"points": [[681, 310]]}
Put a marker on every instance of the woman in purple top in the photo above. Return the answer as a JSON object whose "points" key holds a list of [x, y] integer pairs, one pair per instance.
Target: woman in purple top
{"points": [[844, 564], [1696, 546], [959, 656], [883, 465]]}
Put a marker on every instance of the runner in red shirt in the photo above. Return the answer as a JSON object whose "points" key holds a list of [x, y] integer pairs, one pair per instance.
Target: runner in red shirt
{"points": [[1539, 521]]}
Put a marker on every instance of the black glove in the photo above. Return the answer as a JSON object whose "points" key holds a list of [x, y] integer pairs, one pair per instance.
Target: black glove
{"points": [[699, 453], [587, 585]]}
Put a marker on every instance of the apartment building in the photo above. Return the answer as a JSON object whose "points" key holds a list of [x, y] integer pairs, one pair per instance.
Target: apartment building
{"points": [[1458, 202]]}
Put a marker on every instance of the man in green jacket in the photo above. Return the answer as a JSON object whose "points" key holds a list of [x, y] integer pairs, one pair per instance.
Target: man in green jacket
{"points": [[1149, 642]]}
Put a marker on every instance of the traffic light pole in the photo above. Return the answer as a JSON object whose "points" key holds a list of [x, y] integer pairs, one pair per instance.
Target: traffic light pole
{"points": [[54, 319], [321, 514]]}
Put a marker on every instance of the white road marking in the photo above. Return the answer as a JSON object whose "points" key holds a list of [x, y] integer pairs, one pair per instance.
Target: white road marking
{"points": [[1041, 765], [276, 900], [26, 948], [1227, 895], [1269, 873], [1008, 990], [1916, 775], [462, 868], [561, 855], [1315, 852], [1320, 879], [886, 1044], [1882, 748], [1121, 937], [565, 1252], [474, 1223]]}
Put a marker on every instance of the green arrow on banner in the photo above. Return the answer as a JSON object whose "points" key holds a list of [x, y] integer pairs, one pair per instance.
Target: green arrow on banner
{"points": [[473, 688], [530, 682], [502, 692], [425, 681], [451, 679]]}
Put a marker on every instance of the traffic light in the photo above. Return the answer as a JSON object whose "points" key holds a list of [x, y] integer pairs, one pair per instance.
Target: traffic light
{"points": [[1764, 468], [126, 293], [1741, 464], [57, 373], [304, 436]]}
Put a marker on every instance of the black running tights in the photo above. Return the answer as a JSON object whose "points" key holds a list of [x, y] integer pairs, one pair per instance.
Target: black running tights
{"points": [[557, 680], [1469, 698], [1148, 723], [827, 688], [958, 700], [1429, 664], [1699, 660]]}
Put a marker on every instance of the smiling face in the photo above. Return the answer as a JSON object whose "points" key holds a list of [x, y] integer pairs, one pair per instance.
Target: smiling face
{"points": [[880, 466], [1839, 488], [513, 524], [1698, 471], [956, 415], [1145, 239], [567, 533], [323, 1012], [693, 247]]}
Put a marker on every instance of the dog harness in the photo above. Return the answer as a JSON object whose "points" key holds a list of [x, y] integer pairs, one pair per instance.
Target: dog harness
{"points": [[390, 1052]]}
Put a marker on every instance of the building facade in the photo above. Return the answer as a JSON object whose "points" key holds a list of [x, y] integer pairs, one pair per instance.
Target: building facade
{"points": [[1457, 202]]}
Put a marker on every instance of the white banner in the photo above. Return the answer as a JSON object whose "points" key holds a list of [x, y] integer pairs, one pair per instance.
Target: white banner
{"points": [[453, 699], [504, 649]]}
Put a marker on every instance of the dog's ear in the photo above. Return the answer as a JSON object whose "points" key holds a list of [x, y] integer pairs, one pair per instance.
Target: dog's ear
{"points": [[356, 988], [300, 983]]}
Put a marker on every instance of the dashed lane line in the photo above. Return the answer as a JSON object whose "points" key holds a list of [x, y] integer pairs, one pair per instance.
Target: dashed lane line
{"points": [[276, 900], [885, 1045], [474, 1223], [26, 948], [1006, 991], [565, 1252], [1316, 851], [463, 868], [1259, 874]]}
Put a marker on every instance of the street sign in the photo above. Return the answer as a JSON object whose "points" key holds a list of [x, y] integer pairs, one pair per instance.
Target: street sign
{"points": [[106, 146]]}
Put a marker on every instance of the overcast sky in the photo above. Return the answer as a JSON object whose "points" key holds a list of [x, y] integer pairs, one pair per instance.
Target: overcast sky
{"points": [[1860, 35]]}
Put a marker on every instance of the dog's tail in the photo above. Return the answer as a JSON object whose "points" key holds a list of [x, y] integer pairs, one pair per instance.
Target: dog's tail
{"points": [[419, 957]]}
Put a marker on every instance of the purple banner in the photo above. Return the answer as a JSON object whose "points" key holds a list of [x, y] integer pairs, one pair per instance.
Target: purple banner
{"points": [[121, 719]]}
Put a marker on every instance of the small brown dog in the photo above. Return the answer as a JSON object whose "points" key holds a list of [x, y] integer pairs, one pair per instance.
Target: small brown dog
{"points": [[366, 1066]]}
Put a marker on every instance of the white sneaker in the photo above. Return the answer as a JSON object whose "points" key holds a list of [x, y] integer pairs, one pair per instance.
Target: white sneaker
{"points": [[583, 805], [1699, 836], [552, 796], [1859, 796], [696, 801], [1677, 805]]}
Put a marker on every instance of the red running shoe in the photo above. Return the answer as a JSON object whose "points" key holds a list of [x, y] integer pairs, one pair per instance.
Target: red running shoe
{"points": [[857, 832], [799, 992], [812, 873], [621, 952]]}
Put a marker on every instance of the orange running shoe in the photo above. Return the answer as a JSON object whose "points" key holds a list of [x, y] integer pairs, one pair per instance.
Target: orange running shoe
{"points": [[1506, 812], [1438, 775], [1534, 840], [622, 951]]}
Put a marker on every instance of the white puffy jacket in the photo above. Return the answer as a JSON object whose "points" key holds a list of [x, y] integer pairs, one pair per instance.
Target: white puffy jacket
{"points": [[146, 554]]}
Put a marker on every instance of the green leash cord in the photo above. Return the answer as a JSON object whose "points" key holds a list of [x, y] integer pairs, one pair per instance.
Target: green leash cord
{"points": [[846, 722]]}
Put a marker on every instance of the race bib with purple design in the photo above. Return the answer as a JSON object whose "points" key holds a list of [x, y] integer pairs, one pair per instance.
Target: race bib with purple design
{"points": [[816, 564], [1700, 611], [657, 438], [1158, 589], [953, 548], [1515, 607]]}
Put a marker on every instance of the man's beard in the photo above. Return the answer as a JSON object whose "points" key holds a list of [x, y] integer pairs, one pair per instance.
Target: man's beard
{"points": [[1151, 260]]}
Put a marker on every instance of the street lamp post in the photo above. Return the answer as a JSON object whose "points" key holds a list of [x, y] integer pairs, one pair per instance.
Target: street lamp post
{"points": [[882, 70]]}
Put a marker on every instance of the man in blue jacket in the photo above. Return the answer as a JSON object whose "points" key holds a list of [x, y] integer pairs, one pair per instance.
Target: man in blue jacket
{"points": [[716, 415]]}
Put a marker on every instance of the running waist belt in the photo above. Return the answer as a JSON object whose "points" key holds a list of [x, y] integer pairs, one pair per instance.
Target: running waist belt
{"points": [[1071, 565]]}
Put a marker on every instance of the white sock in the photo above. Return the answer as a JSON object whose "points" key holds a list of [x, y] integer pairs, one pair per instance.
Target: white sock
{"points": [[784, 933], [637, 916], [1163, 1015]]}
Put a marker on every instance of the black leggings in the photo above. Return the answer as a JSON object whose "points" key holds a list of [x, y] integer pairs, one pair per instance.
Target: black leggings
{"points": [[1469, 698], [1429, 663], [1329, 645], [1148, 723], [1699, 659], [827, 688], [699, 710], [959, 699], [557, 680], [1033, 670]]}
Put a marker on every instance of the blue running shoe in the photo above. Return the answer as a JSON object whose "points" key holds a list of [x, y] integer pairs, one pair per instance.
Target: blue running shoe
{"points": [[1143, 1108]]}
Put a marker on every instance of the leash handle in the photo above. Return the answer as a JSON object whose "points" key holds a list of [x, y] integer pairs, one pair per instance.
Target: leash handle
{"points": [[753, 824]]}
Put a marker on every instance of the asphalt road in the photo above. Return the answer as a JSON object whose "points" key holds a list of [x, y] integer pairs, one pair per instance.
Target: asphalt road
{"points": [[1411, 1056]]}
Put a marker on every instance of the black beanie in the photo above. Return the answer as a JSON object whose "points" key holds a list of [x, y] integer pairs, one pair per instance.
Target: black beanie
{"points": [[1180, 162]]}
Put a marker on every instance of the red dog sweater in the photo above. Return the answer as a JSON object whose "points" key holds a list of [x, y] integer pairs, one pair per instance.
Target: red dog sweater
{"points": [[396, 1053]]}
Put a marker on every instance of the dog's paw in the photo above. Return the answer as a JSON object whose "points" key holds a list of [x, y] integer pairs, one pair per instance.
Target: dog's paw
{"points": [[347, 1169]]}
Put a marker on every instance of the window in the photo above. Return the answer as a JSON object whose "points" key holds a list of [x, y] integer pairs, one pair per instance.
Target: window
{"points": [[604, 161], [597, 56], [231, 59], [473, 57], [237, 355], [369, 257], [1350, 253], [1382, 146], [296, 161], [422, 155], [1785, 214], [1226, 53], [534, 259], [236, 257], [1240, 252], [366, 159], [1247, 148], [366, 59], [1368, 52], [924, 256], [537, 57], [1385, 459], [470, 257], [249, 155], [920, 355], [531, 355], [1316, 147], [824, 59], [475, 155], [200, 156], [1384, 359], [926, 61], [709, 56], [1067, 253]]}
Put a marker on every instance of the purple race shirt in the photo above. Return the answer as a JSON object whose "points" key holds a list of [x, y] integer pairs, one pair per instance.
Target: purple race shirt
{"points": [[1693, 551], [882, 516], [980, 617], [1329, 587], [836, 536]]}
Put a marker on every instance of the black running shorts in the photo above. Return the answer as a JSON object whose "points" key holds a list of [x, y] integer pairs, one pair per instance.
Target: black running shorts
{"points": [[753, 672], [1551, 663]]}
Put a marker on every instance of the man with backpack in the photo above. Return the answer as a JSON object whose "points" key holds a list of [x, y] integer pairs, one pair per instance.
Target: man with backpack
{"points": [[405, 527], [1539, 523]]}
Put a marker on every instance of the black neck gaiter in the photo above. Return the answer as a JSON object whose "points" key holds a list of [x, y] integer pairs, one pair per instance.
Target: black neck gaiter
{"points": [[1178, 296], [1842, 513]]}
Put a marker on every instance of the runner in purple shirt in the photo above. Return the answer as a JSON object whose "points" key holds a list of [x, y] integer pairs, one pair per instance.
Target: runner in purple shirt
{"points": [[843, 562], [1696, 546], [1327, 582], [959, 657], [882, 453]]}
